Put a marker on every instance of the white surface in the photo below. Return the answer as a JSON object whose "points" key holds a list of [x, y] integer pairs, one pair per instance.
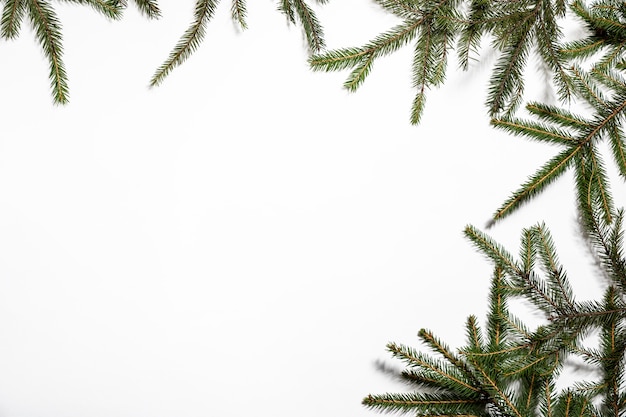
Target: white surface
{"points": [[244, 239]]}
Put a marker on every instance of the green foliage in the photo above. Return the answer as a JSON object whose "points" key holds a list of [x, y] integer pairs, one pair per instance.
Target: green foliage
{"points": [[515, 29], [509, 368], [47, 27], [204, 10], [45, 23]]}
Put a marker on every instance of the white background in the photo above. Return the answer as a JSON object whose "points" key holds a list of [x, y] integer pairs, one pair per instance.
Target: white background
{"points": [[246, 238]]}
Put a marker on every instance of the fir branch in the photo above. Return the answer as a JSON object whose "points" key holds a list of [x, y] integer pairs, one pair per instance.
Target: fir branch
{"points": [[534, 131], [507, 83], [434, 343], [504, 400], [581, 49], [404, 9], [426, 404], [553, 269], [312, 27], [286, 7], [108, 8], [473, 30], [558, 116], [492, 250], [535, 184], [618, 146], [189, 42], [599, 186], [359, 73], [445, 375], [48, 32], [474, 337], [586, 89], [496, 323], [547, 34], [238, 13], [12, 15], [528, 251], [148, 8]]}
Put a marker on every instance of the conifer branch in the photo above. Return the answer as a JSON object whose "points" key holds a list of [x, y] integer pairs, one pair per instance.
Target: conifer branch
{"points": [[238, 13], [189, 42], [12, 15], [149, 8], [108, 8], [48, 32], [312, 27], [535, 184], [286, 7]]}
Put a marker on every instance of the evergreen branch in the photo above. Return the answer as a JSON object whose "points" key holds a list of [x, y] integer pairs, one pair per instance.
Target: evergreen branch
{"points": [[286, 8], [472, 32], [48, 31], [238, 13], [339, 59], [602, 237], [586, 89], [446, 375], [148, 8], [592, 314], [189, 42], [523, 367], [494, 353], [545, 298], [616, 251], [426, 404], [547, 33], [613, 55], [618, 146], [551, 265], [383, 44], [492, 250], [571, 404], [496, 391], [581, 49], [599, 185], [12, 15], [435, 344], [404, 9], [506, 82], [534, 131], [417, 107], [394, 39], [558, 116], [496, 324], [312, 27], [422, 65], [609, 78], [108, 8], [535, 184], [473, 335], [515, 324], [359, 73], [528, 250]]}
